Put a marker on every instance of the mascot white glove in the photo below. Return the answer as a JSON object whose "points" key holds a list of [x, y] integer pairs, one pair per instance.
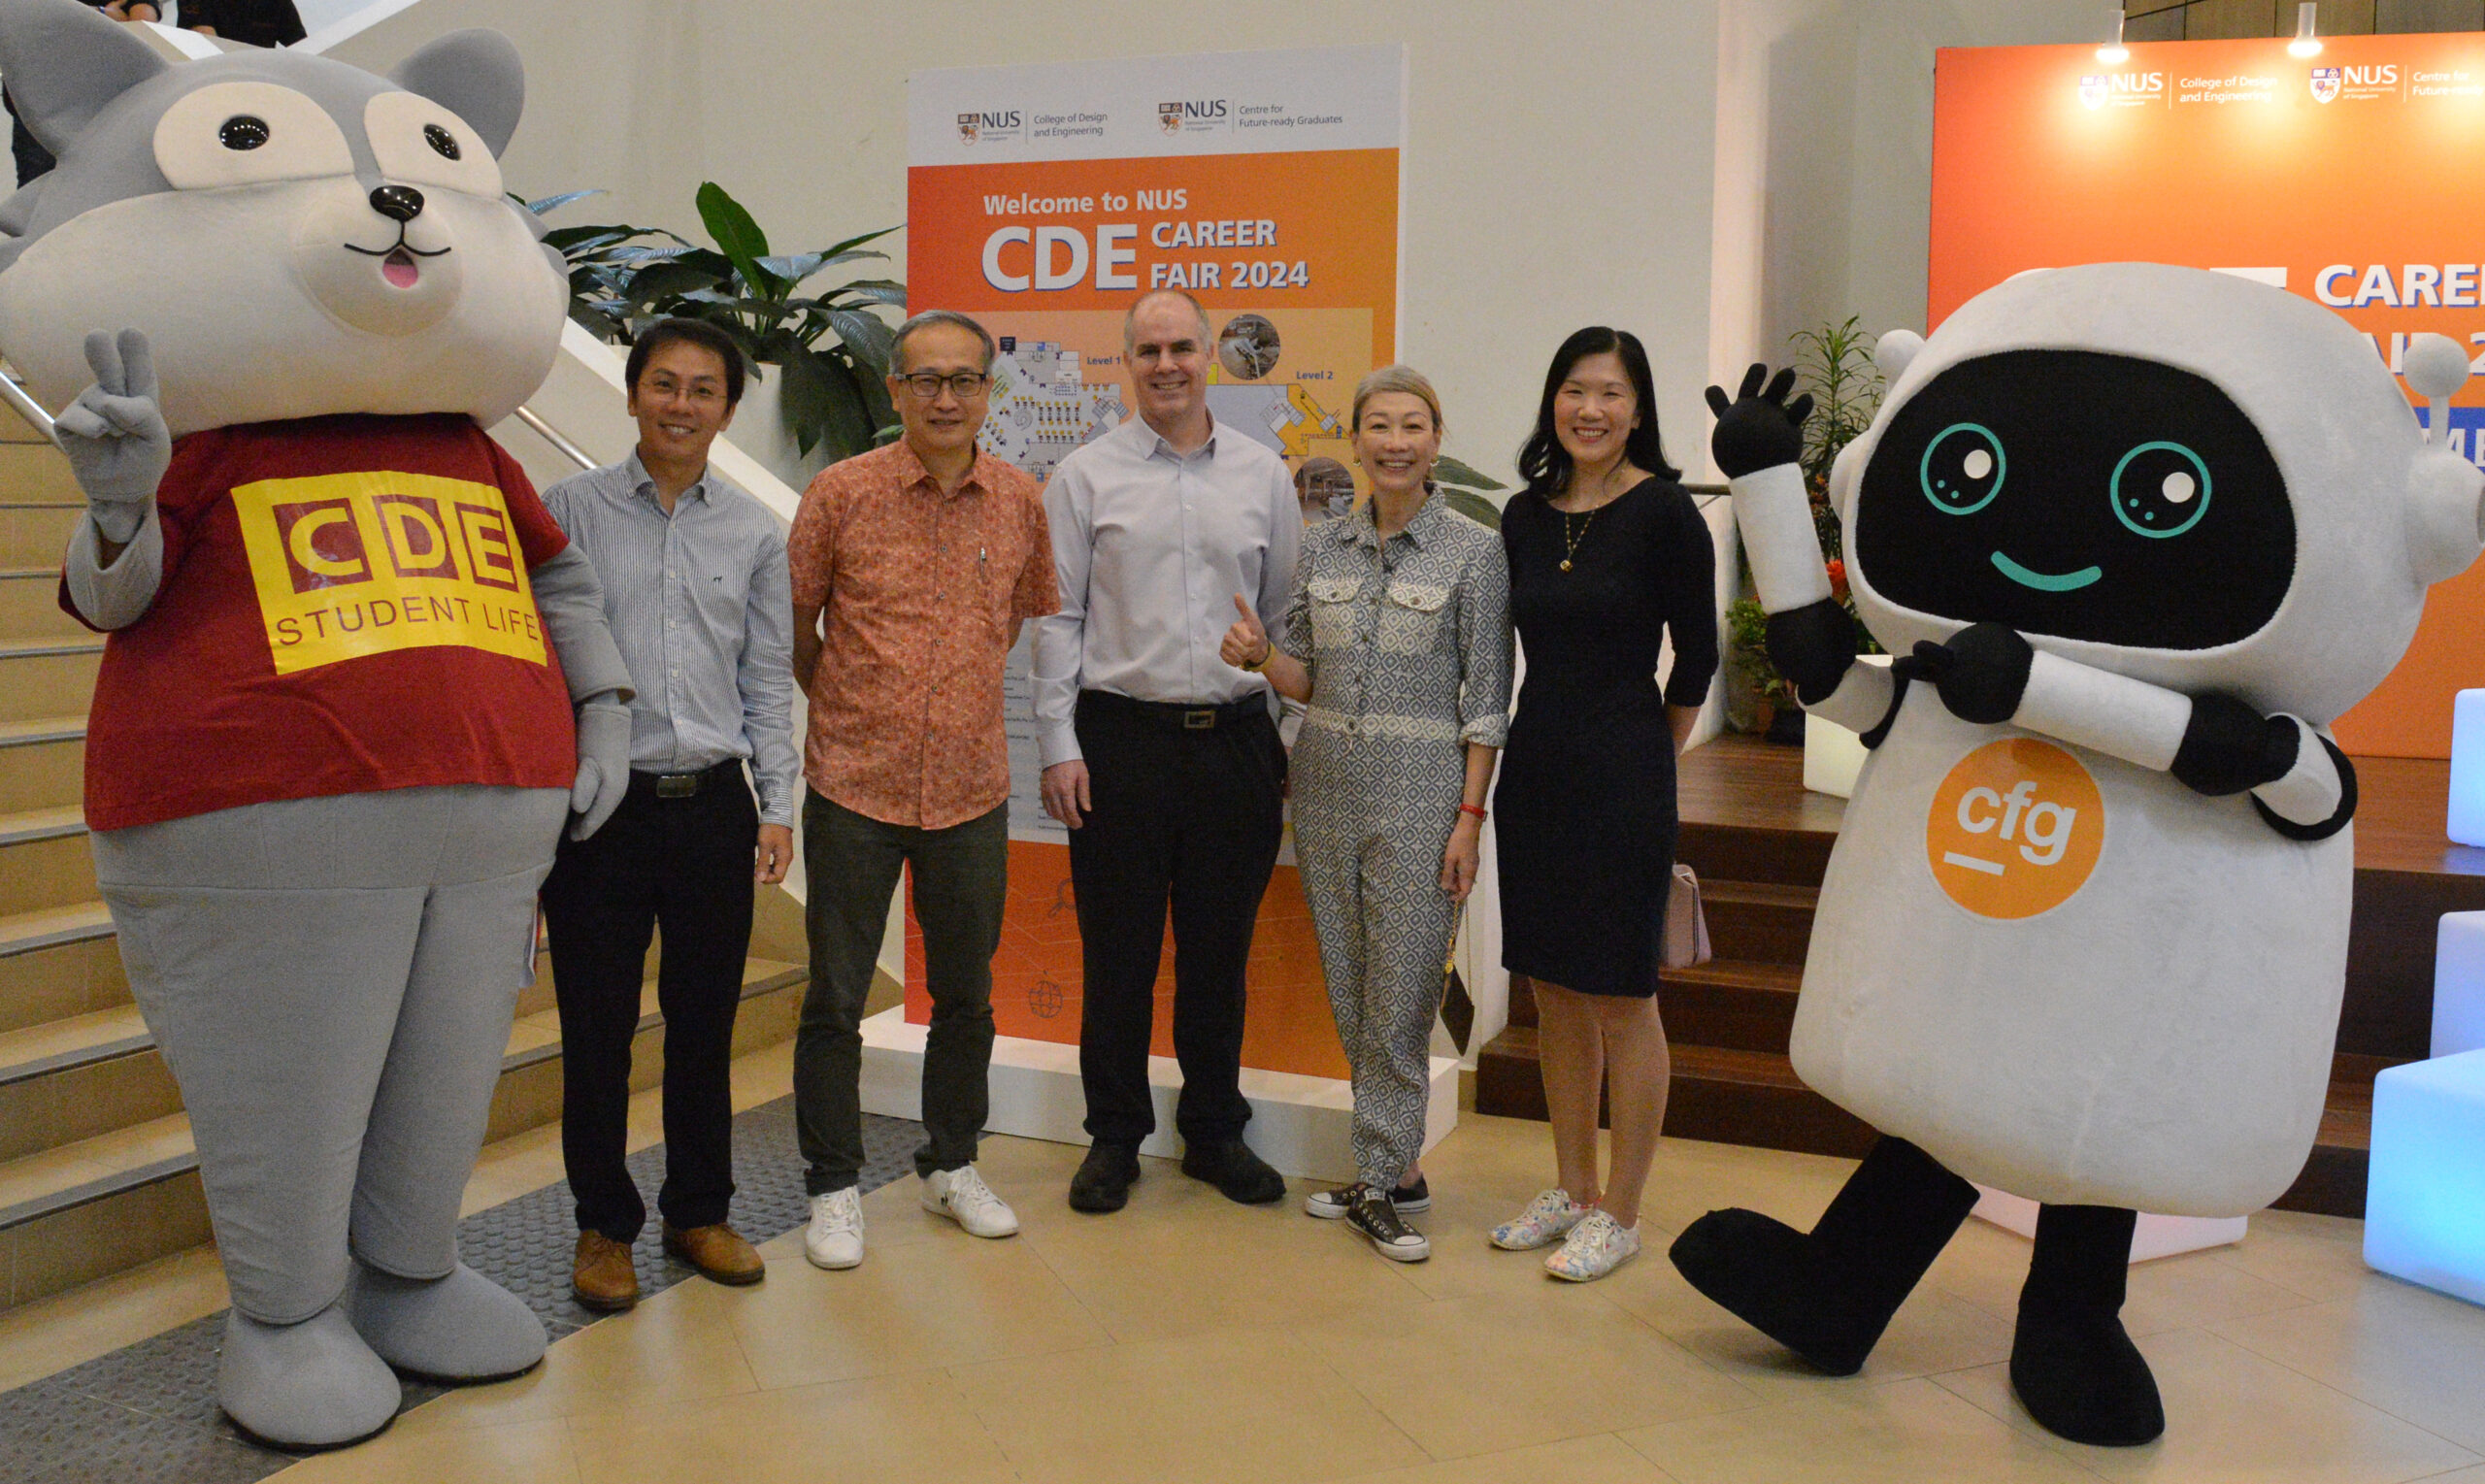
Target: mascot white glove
{"points": [[604, 765], [114, 435]]}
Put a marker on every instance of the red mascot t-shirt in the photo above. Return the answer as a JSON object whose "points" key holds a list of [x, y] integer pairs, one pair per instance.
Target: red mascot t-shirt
{"points": [[345, 608]]}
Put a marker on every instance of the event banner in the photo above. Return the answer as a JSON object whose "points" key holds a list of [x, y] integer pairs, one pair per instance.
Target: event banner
{"points": [[1042, 200], [2344, 177]]}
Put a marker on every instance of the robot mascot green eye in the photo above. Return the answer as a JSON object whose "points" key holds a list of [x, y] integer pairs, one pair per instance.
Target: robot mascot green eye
{"points": [[2139, 534], [332, 745]]}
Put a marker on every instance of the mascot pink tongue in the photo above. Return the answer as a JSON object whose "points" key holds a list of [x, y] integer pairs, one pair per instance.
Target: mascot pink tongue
{"points": [[357, 682]]}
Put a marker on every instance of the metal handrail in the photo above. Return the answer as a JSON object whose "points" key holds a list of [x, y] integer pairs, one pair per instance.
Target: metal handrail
{"points": [[24, 405], [552, 436]]}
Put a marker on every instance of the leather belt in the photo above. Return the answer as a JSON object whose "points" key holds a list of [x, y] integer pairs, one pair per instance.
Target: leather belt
{"points": [[1176, 714], [682, 785]]}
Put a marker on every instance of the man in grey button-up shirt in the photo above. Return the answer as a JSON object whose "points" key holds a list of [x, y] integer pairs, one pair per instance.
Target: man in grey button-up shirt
{"points": [[699, 598], [1161, 758]]}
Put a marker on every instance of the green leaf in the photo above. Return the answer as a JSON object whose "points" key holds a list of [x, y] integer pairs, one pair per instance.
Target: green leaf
{"points": [[739, 238], [852, 243], [871, 340], [550, 203], [667, 278], [1449, 471]]}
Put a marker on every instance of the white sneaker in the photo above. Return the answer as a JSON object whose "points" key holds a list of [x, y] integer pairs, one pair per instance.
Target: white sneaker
{"points": [[834, 1236], [1596, 1246], [961, 1195], [1547, 1219]]}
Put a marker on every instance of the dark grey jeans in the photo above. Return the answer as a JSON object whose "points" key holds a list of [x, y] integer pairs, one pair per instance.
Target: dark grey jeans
{"points": [[960, 875]]}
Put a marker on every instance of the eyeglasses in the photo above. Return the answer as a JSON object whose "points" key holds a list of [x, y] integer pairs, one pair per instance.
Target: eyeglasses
{"points": [[963, 385]]}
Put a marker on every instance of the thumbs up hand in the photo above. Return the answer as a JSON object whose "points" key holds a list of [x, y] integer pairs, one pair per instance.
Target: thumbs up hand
{"points": [[1247, 643]]}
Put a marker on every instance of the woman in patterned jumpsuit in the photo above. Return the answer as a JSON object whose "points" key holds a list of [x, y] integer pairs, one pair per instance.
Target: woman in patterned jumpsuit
{"points": [[1398, 640]]}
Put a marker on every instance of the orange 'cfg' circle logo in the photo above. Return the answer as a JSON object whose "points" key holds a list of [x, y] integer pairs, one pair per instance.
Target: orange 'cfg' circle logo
{"points": [[2015, 829]]}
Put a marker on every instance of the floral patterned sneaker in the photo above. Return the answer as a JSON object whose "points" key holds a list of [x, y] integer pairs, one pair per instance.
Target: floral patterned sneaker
{"points": [[1596, 1246], [1547, 1219]]}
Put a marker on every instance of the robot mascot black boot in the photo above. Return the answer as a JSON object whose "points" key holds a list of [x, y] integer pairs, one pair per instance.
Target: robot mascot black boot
{"points": [[2138, 535]]}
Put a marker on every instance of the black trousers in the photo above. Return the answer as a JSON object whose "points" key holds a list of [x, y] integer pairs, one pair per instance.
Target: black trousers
{"points": [[1185, 814], [683, 865], [960, 878]]}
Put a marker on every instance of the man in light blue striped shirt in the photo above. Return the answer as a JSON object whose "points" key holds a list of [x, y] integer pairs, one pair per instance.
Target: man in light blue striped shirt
{"points": [[699, 598]]}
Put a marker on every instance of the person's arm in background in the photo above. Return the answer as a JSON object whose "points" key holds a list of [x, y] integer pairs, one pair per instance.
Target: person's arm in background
{"points": [[811, 555], [764, 676], [1069, 507], [1483, 707], [1687, 571]]}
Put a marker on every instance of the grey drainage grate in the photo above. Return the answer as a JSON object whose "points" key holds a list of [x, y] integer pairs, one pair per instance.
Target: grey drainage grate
{"points": [[146, 1414]]}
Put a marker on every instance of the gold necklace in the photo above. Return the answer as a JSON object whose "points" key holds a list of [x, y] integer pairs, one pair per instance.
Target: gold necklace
{"points": [[1569, 539]]}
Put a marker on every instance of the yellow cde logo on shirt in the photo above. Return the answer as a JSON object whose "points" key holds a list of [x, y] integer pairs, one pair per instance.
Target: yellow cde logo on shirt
{"points": [[353, 564]]}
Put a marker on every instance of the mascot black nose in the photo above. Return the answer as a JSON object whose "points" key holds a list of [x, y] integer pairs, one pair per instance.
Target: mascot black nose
{"points": [[397, 203]]}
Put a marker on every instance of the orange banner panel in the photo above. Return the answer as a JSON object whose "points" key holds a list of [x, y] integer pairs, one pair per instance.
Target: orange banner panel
{"points": [[2343, 176]]}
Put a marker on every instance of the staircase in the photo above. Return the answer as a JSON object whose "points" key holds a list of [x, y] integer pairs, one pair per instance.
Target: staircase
{"points": [[1761, 845], [97, 1171]]}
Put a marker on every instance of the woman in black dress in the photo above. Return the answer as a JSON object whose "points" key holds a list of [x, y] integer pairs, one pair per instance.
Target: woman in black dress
{"points": [[1607, 555]]}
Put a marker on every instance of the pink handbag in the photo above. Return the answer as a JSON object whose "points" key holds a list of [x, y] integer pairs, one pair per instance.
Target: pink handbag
{"points": [[1686, 940]]}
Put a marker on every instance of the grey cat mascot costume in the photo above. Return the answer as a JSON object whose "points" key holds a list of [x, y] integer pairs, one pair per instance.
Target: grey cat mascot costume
{"points": [[332, 744], [2139, 534]]}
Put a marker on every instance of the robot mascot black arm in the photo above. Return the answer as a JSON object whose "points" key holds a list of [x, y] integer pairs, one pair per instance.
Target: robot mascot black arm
{"points": [[2143, 532]]}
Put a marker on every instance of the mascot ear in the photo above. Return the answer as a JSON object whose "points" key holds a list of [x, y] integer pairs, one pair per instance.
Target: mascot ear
{"points": [[476, 75], [65, 62], [1894, 350]]}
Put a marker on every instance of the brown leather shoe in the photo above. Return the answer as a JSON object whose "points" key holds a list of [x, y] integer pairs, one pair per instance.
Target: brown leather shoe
{"points": [[601, 1274], [718, 1251]]}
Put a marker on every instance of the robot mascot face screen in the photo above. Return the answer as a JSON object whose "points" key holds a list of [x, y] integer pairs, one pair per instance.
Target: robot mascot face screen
{"points": [[2080, 495]]}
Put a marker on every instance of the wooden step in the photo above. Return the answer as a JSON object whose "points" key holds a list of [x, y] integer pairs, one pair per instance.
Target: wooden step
{"points": [[1731, 852], [1731, 1004], [42, 762], [30, 605], [34, 533], [36, 473], [1758, 921], [48, 677], [92, 1206], [43, 860], [47, 977]]}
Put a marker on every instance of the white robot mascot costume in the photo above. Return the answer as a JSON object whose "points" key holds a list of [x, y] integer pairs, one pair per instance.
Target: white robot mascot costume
{"points": [[333, 740], [2139, 534]]}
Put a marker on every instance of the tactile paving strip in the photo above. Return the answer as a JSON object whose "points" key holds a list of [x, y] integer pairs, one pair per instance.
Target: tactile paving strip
{"points": [[147, 1415]]}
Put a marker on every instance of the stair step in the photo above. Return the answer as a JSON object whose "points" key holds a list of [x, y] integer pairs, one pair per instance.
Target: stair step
{"points": [[30, 605], [1733, 852], [48, 676], [34, 533], [58, 964], [37, 472], [43, 763], [1755, 1098], [1731, 1004], [45, 861], [1759, 921], [78, 1212]]}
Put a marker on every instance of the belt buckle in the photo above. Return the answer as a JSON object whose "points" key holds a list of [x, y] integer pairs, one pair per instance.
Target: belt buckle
{"points": [[1199, 719], [676, 785]]}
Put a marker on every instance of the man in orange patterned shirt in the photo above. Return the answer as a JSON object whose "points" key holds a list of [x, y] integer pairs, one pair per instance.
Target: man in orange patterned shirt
{"points": [[913, 566]]}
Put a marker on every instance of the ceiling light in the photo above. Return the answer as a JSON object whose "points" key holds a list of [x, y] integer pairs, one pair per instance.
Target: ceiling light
{"points": [[2114, 53], [2307, 42]]}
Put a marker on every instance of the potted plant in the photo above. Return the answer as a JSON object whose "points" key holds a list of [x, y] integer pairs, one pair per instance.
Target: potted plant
{"points": [[828, 349]]}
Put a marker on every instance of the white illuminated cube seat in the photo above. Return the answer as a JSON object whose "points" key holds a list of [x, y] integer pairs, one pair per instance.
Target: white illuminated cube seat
{"points": [[2466, 823], [2458, 983], [2425, 1197]]}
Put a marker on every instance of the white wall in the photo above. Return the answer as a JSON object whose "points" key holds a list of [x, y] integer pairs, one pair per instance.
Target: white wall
{"points": [[1559, 173], [1825, 148]]}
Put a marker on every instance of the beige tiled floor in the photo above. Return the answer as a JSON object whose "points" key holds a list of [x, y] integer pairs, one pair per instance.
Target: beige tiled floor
{"points": [[1191, 1339]]}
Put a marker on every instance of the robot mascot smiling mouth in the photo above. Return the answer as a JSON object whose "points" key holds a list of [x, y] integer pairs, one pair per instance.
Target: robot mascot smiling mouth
{"points": [[332, 745], [2139, 534]]}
